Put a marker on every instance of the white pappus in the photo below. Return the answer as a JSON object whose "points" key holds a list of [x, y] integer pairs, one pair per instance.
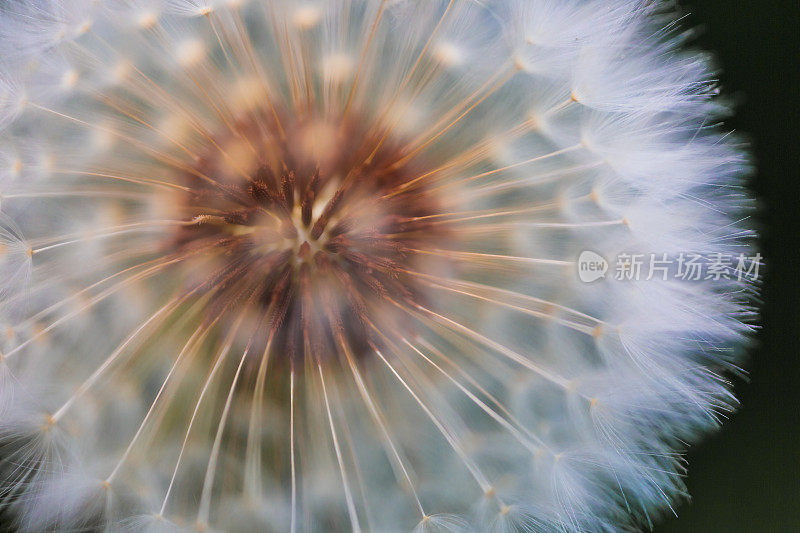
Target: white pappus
{"points": [[286, 265]]}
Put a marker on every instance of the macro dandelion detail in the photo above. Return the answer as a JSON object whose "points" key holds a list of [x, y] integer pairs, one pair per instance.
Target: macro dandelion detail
{"points": [[269, 265]]}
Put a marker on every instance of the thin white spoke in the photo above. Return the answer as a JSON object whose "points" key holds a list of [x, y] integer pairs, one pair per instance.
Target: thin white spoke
{"points": [[378, 419], [208, 482], [489, 343], [197, 336], [293, 527], [92, 302], [477, 401], [211, 375], [86, 385], [351, 508]]}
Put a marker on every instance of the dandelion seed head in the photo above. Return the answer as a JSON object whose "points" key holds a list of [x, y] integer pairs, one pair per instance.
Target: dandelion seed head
{"points": [[314, 266]]}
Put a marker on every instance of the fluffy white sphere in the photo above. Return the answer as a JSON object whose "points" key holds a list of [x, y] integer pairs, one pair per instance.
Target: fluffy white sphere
{"points": [[321, 265]]}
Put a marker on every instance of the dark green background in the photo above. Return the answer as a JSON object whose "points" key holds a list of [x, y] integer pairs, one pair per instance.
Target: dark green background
{"points": [[747, 478]]}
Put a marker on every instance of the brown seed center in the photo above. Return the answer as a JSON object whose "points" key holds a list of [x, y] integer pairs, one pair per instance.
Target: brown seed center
{"points": [[323, 243]]}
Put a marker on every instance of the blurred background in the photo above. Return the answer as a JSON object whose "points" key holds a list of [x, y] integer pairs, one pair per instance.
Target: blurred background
{"points": [[747, 477]]}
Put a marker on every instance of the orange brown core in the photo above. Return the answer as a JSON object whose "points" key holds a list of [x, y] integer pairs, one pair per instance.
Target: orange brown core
{"points": [[312, 229]]}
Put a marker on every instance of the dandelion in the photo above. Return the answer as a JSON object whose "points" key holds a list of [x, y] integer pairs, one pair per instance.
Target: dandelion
{"points": [[312, 266]]}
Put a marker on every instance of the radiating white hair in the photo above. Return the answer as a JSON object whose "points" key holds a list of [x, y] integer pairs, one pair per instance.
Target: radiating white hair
{"points": [[500, 394]]}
